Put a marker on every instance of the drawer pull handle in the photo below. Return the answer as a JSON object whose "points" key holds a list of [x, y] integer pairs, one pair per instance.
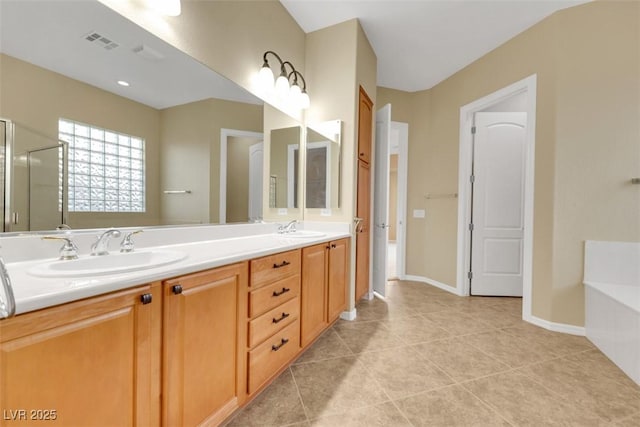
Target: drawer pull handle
{"points": [[146, 299], [283, 264], [284, 316], [283, 341], [176, 289], [283, 291]]}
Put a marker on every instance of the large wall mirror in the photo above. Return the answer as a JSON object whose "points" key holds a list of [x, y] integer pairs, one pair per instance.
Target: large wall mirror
{"points": [[143, 134], [323, 155]]}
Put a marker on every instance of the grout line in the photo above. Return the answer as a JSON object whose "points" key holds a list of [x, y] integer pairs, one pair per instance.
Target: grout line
{"points": [[304, 407]]}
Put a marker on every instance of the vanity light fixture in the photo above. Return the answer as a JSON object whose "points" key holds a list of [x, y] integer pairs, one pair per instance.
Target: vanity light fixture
{"points": [[283, 88]]}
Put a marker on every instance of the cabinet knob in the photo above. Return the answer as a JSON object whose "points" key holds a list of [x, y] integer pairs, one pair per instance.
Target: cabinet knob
{"points": [[176, 289], [146, 298], [333, 246]]}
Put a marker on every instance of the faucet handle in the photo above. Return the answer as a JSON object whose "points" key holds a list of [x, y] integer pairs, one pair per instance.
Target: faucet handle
{"points": [[127, 242], [68, 251]]}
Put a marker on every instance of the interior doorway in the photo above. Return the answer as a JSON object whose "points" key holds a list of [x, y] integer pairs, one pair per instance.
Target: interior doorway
{"points": [[398, 171], [522, 93]]}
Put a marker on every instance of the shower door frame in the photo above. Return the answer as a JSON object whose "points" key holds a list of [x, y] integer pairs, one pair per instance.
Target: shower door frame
{"points": [[8, 168]]}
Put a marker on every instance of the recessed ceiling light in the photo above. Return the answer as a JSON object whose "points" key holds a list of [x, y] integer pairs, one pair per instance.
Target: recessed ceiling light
{"points": [[123, 83]]}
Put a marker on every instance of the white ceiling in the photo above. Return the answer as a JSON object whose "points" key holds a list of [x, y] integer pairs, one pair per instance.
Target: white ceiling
{"points": [[420, 43], [51, 34]]}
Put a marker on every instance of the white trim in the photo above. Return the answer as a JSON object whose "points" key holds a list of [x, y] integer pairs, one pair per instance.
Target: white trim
{"points": [[527, 85], [291, 154], [431, 282], [348, 315], [224, 135], [401, 194], [556, 327]]}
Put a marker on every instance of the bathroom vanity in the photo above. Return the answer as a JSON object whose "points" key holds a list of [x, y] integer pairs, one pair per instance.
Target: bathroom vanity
{"points": [[185, 349]]}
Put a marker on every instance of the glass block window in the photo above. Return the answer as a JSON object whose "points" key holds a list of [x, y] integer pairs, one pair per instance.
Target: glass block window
{"points": [[106, 169]]}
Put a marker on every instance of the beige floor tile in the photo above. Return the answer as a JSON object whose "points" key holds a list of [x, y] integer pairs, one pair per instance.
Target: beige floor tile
{"points": [[377, 309], [415, 329], [606, 397], [328, 346], [556, 342], [460, 360], [632, 421], [450, 406], [278, 405], [509, 349], [497, 317], [457, 323], [366, 336], [402, 372], [382, 415], [524, 402], [336, 386], [427, 304], [596, 362]]}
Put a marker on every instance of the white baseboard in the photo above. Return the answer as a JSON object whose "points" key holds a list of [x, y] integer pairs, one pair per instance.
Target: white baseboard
{"points": [[368, 296], [556, 327], [431, 282], [348, 315]]}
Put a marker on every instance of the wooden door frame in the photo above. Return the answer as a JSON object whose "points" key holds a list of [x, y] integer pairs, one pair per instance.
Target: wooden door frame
{"points": [[528, 86]]}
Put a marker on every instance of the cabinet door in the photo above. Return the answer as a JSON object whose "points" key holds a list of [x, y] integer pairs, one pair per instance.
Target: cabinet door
{"points": [[86, 363], [365, 126], [338, 277], [204, 363], [362, 233], [313, 309]]}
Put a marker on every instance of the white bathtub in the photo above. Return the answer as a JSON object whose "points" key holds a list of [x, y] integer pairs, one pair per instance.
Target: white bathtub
{"points": [[612, 292]]}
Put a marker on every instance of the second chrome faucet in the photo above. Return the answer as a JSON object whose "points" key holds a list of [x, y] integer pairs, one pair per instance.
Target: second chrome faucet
{"points": [[101, 246]]}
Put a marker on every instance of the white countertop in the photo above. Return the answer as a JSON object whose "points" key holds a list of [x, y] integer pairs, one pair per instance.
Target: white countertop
{"points": [[33, 293]]}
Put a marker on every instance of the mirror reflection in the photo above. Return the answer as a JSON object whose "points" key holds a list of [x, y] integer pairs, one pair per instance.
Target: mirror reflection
{"points": [[153, 136], [284, 167], [323, 165]]}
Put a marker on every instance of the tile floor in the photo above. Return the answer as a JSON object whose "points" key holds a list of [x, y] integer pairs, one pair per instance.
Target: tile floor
{"points": [[428, 358]]}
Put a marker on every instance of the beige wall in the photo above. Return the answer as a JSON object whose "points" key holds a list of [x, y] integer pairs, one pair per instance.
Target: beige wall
{"points": [[190, 140], [587, 63], [280, 141], [35, 98], [393, 196]]}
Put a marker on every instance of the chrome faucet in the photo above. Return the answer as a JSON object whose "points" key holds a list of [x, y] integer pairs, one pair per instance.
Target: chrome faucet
{"points": [[127, 242], [68, 251], [289, 228], [101, 246]]}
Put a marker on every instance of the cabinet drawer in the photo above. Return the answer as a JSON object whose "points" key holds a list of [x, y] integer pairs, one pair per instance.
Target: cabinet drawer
{"points": [[270, 296], [272, 321], [271, 355], [273, 267]]}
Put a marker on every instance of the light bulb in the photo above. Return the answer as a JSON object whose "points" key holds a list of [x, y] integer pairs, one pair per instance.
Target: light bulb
{"points": [[265, 77], [304, 100], [282, 86], [294, 94]]}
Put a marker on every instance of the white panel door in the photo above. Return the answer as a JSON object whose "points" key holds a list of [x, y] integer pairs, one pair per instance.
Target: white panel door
{"points": [[255, 181], [381, 199], [498, 204]]}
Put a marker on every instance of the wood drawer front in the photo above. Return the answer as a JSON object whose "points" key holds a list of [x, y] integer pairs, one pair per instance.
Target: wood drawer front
{"points": [[272, 321], [264, 361], [268, 297], [273, 267]]}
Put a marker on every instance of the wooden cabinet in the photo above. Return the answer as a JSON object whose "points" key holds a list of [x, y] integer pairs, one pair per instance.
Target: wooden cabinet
{"points": [[204, 351], [363, 230], [273, 337], [365, 126], [324, 287], [90, 362]]}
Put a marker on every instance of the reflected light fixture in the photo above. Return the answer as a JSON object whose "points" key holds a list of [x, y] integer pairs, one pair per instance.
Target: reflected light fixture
{"points": [[123, 83], [167, 7], [285, 88]]}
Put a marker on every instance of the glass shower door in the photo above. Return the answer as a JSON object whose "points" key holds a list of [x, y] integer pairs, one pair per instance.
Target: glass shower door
{"points": [[46, 168]]}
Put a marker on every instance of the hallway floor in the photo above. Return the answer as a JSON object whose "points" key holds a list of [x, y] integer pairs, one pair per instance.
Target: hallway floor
{"points": [[426, 357]]}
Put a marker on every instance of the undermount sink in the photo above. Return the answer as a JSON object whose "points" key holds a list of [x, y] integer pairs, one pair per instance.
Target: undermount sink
{"points": [[304, 234], [107, 264]]}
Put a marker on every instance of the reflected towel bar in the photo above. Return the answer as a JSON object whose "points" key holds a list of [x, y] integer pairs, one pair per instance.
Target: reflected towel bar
{"points": [[177, 191], [441, 196]]}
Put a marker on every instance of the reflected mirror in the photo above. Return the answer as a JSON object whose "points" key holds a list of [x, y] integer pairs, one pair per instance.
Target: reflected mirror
{"points": [[153, 136], [284, 167], [322, 178]]}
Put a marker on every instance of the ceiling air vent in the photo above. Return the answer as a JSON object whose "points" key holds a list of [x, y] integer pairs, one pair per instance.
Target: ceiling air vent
{"points": [[101, 40]]}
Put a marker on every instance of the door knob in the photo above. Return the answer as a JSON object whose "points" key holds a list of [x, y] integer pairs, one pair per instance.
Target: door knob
{"points": [[383, 225]]}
